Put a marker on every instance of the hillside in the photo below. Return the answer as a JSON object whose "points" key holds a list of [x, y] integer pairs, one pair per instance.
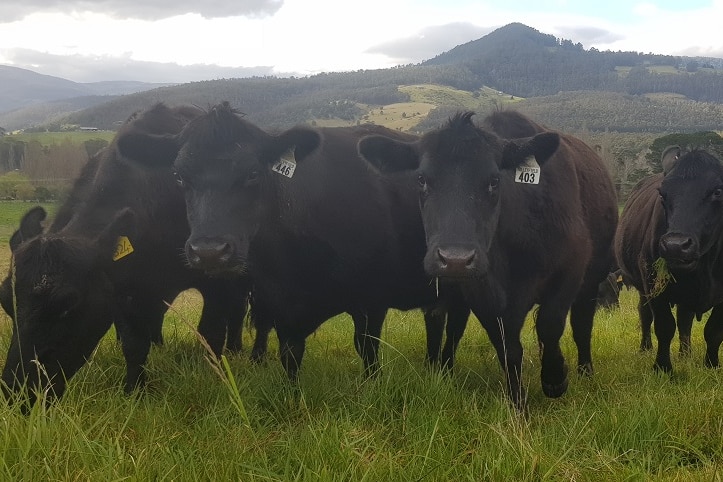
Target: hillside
{"points": [[554, 79], [22, 88], [525, 62]]}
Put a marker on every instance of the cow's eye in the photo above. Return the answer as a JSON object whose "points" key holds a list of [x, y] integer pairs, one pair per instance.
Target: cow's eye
{"points": [[422, 181], [717, 194], [178, 178], [494, 184]]}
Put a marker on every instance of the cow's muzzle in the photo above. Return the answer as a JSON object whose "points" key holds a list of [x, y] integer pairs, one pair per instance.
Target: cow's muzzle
{"points": [[679, 250], [456, 261], [209, 254]]}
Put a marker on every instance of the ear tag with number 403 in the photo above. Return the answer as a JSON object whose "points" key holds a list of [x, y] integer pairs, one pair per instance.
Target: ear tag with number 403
{"points": [[528, 172], [286, 165]]}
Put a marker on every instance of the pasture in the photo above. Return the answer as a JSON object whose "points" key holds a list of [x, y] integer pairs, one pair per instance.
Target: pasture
{"points": [[200, 420]]}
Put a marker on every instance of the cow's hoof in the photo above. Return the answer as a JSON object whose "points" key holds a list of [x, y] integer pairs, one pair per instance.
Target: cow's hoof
{"points": [[585, 370], [555, 390], [660, 368]]}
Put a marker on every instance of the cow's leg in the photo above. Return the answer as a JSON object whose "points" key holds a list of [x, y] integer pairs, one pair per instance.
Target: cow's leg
{"points": [[646, 321], [685, 325], [367, 332], [291, 351], [713, 333], [157, 333], [664, 332], [261, 342], [550, 326], [504, 334], [135, 330], [457, 316], [434, 321], [582, 313], [234, 326], [225, 304], [262, 319]]}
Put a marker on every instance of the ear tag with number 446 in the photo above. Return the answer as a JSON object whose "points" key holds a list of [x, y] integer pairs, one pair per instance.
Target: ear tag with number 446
{"points": [[528, 172], [286, 165]]}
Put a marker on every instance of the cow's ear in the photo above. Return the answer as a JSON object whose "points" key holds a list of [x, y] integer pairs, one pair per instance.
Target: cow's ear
{"points": [[30, 226], [669, 158], [297, 142], [123, 224], [149, 150], [542, 146], [389, 155]]}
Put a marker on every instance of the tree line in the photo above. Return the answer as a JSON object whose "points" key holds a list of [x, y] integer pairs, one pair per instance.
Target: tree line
{"points": [[32, 171]]}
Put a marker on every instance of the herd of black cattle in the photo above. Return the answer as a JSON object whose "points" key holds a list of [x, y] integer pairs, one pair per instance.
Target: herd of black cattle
{"points": [[490, 218]]}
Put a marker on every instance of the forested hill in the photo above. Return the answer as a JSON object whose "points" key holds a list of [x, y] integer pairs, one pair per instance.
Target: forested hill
{"points": [[511, 63], [525, 62]]}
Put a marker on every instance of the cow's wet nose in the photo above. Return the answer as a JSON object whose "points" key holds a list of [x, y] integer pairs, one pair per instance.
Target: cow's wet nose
{"points": [[457, 261], [678, 246], [207, 253]]}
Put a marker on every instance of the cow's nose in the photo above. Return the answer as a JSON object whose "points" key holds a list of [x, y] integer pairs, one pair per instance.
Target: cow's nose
{"points": [[675, 246], [456, 261], [207, 252]]}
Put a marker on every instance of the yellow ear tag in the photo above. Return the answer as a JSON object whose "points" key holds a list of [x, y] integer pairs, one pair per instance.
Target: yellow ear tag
{"points": [[123, 248]]}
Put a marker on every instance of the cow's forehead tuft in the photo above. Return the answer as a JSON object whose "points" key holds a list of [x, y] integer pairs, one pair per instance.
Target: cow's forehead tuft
{"points": [[694, 164]]}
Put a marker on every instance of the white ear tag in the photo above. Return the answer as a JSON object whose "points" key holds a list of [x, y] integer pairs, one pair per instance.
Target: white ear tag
{"points": [[528, 172], [286, 165]]}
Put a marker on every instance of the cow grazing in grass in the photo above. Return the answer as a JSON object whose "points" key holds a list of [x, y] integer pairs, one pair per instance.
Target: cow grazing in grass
{"points": [[669, 244], [319, 231], [608, 293], [113, 254], [511, 234]]}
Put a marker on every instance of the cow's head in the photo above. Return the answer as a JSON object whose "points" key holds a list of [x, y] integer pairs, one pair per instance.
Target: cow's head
{"points": [[60, 302], [692, 197], [459, 176], [224, 164]]}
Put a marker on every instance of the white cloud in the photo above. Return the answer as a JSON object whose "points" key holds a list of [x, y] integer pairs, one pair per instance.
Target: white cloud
{"points": [[309, 36], [141, 9]]}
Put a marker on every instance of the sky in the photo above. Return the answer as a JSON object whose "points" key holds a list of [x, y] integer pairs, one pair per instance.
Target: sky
{"points": [[180, 41]]}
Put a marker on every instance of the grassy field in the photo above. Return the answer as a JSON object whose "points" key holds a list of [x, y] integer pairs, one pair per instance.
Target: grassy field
{"points": [[200, 421], [10, 214], [423, 98]]}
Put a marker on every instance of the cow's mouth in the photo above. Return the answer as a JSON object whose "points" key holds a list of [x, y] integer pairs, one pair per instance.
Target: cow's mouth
{"points": [[676, 264], [229, 270]]}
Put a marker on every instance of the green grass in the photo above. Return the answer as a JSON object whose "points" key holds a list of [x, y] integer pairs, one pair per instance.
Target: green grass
{"points": [[199, 421], [10, 214], [625, 423]]}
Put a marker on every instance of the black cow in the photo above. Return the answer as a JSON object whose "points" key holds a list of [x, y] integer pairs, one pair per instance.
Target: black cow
{"points": [[673, 218], [509, 244], [608, 292], [320, 232], [112, 254]]}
